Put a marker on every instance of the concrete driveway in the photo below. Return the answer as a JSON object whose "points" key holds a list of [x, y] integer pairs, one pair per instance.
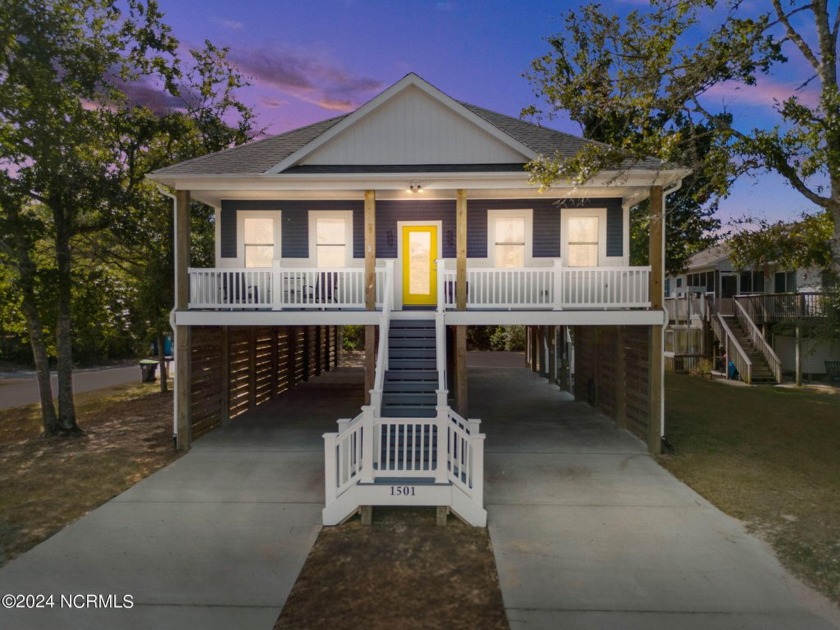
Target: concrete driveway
{"points": [[214, 541], [590, 532]]}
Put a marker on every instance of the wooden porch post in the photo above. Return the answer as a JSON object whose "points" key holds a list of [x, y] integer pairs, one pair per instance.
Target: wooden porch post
{"points": [[621, 380], [183, 345], [225, 376], [370, 290], [461, 396], [656, 360], [552, 354]]}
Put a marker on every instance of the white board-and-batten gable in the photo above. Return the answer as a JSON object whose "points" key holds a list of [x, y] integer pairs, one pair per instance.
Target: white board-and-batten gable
{"points": [[411, 122]]}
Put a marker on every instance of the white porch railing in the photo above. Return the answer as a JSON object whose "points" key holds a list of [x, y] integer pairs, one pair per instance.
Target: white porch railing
{"points": [[278, 288], [525, 288], [555, 287]]}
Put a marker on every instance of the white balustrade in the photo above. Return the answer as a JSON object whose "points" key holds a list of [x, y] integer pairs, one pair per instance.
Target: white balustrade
{"points": [[278, 288], [554, 287], [525, 288]]}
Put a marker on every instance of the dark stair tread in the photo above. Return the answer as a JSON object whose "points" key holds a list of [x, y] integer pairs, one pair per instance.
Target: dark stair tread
{"points": [[411, 342], [399, 411], [411, 375]]}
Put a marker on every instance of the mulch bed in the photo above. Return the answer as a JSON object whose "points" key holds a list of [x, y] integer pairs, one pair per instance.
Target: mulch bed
{"points": [[401, 572]]}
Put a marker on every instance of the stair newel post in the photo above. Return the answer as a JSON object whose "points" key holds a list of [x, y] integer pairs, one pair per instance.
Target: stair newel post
{"points": [[368, 429], [558, 284], [440, 268], [440, 357], [330, 467], [442, 421], [477, 472]]}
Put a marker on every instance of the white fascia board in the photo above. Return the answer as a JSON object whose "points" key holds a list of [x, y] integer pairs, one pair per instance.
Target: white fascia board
{"points": [[556, 318], [409, 80], [641, 180]]}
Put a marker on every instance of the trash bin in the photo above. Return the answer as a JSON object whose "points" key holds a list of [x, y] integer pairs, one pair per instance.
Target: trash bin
{"points": [[148, 367]]}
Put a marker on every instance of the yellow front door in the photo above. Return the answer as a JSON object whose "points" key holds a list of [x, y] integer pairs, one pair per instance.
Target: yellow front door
{"points": [[419, 253]]}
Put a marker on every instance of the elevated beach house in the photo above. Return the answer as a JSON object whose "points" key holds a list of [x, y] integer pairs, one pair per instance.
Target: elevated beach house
{"points": [[414, 217]]}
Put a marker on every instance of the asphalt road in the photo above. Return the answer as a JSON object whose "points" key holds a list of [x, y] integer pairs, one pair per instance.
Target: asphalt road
{"points": [[17, 391]]}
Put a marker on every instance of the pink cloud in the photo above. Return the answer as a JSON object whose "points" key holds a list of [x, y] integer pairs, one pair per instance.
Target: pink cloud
{"points": [[765, 93], [306, 76]]}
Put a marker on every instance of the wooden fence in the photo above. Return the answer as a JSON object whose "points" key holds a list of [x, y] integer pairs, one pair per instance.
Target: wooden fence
{"points": [[235, 369]]}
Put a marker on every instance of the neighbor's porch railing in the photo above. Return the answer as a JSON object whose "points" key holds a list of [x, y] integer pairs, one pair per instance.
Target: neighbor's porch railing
{"points": [[556, 287], [775, 307]]}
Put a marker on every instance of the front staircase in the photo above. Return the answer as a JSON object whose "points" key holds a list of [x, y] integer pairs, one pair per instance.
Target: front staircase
{"points": [[411, 380], [760, 372], [407, 447]]}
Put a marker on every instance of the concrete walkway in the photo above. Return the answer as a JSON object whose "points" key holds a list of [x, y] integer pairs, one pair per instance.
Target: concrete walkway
{"points": [[214, 541], [590, 532]]}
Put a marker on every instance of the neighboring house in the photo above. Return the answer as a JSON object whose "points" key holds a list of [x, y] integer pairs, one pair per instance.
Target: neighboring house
{"points": [[711, 271], [415, 217], [713, 303]]}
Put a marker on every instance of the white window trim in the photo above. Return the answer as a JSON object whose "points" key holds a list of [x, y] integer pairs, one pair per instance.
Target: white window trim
{"points": [[601, 213], [495, 215], [347, 215], [241, 215]]}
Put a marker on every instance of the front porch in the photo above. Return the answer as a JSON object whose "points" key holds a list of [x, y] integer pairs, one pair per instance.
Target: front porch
{"points": [[552, 286]]}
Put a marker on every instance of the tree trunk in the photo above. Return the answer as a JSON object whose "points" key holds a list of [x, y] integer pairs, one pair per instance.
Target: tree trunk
{"points": [[164, 387], [21, 247], [26, 269], [64, 342]]}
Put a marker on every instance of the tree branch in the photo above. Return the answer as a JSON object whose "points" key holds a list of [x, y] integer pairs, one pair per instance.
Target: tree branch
{"points": [[795, 37]]}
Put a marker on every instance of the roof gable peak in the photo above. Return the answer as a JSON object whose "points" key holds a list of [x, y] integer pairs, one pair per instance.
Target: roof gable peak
{"points": [[505, 144]]}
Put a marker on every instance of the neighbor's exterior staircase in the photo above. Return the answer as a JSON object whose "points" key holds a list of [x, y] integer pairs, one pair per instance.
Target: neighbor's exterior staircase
{"points": [[761, 371]]}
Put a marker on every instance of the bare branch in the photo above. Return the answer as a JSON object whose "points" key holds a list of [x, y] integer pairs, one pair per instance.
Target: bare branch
{"points": [[795, 37]]}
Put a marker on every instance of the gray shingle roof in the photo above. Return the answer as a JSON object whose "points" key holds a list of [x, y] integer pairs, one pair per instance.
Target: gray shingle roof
{"points": [[253, 157], [257, 157]]}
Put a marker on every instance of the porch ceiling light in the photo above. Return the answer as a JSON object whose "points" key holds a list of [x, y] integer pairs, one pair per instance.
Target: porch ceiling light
{"points": [[415, 187]]}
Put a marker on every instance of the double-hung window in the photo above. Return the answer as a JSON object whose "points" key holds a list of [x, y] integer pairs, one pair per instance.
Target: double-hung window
{"points": [[583, 241], [509, 237], [330, 238], [260, 238]]}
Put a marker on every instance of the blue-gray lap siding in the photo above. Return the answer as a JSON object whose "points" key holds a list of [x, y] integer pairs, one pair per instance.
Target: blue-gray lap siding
{"points": [[546, 223]]}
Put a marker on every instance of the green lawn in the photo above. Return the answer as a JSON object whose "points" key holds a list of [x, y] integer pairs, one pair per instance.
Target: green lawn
{"points": [[769, 456]]}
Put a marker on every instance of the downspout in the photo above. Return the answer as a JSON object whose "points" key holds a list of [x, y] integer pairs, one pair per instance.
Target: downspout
{"points": [[166, 193]]}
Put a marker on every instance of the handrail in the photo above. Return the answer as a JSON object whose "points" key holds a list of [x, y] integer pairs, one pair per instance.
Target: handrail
{"points": [[759, 341], [440, 330], [384, 327], [739, 358]]}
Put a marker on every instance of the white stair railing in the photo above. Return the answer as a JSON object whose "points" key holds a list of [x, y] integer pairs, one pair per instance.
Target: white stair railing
{"points": [[759, 341], [733, 349]]}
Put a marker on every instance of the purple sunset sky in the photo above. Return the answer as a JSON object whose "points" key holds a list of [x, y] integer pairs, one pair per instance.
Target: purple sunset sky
{"points": [[312, 60]]}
